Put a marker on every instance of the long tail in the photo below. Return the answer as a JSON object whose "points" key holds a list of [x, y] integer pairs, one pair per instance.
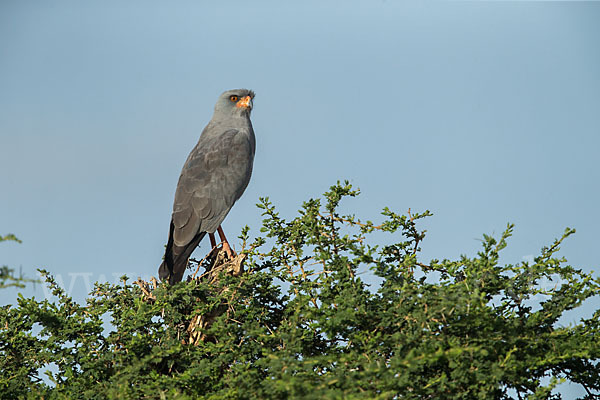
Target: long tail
{"points": [[176, 258]]}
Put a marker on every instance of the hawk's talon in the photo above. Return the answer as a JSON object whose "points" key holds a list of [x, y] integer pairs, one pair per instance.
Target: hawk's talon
{"points": [[228, 250]]}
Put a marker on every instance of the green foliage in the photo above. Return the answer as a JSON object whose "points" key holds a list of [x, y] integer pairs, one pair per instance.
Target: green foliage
{"points": [[302, 323], [7, 276]]}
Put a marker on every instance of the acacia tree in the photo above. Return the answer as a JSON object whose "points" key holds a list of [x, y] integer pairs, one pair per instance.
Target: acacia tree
{"points": [[300, 322]]}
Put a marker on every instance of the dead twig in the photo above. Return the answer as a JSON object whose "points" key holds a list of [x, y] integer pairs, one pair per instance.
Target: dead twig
{"points": [[216, 263]]}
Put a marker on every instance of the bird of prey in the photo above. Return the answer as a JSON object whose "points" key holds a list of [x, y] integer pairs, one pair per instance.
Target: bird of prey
{"points": [[213, 177]]}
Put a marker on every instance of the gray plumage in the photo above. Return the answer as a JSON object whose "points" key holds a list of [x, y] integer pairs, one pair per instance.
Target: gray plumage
{"points": [[213, 178]]}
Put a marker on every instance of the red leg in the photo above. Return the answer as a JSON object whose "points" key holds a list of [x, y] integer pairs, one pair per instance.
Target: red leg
{"points": [[213, 242], [226, 246]]}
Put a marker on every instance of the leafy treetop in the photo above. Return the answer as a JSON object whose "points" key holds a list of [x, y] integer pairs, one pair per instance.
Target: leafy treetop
{"points": [[302, 323]]}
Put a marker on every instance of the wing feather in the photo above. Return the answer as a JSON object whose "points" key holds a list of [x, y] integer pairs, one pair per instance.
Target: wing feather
{"points": [[214, 176]]}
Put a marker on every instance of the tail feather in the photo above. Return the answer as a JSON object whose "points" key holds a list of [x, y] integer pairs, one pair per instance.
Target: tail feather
{"points": [[176, 258]]}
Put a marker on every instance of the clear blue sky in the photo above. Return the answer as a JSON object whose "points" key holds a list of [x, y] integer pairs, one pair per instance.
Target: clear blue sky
{"points": [[482, 112]]}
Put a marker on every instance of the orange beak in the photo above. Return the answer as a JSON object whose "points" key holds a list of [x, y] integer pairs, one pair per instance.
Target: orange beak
{"points": [[245, 102]]}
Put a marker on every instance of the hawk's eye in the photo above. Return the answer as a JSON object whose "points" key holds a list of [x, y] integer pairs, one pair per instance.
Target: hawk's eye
{"points": [[233, 98]]}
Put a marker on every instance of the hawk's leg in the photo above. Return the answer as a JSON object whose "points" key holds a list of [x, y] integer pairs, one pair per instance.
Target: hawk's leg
{"points": [[226, 246]]}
